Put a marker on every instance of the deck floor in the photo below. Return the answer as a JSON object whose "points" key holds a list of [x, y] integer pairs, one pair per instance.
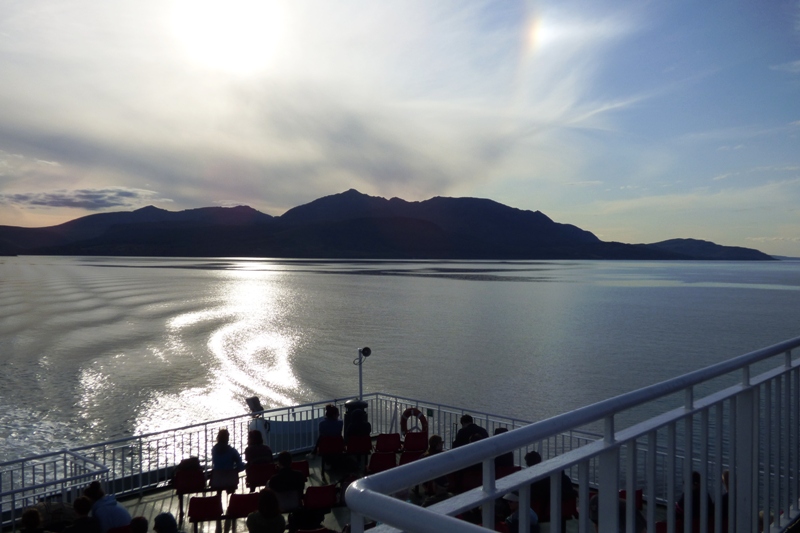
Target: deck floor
{"points": [[154, 503]]}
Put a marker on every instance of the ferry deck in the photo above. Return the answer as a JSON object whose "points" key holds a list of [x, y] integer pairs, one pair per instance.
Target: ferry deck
{"points": [[640, 448]]}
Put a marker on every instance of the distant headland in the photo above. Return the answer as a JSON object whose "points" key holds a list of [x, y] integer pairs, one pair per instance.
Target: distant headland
{"points": [[349, 225]]}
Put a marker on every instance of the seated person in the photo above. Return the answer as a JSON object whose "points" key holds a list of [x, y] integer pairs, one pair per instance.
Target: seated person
{"points": [[106, 508], [435, 445], [439, 491], [226, 463], [331, 425], [84, 523], [288, 484], [696, 501], [540, 491], [468, 429], [641, 523], [32, 521], [139, 524], [507, 459], [165, 523], [359, 425], [268, 517], [512, 520], [257, 451]]}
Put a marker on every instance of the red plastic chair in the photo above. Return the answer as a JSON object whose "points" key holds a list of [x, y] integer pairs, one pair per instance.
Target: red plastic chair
{"points": [[416, 441], [408, 457], [359, 445], [259, 474], [388, 443], [638, 497], [187, 482], [302, 466], [205, 509], [503, 471], [329, 447], [321, 498], [241, 505], [378, 462]]}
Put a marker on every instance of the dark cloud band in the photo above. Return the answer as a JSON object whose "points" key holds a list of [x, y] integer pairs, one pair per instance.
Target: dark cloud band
{"points": [[91, 199]]}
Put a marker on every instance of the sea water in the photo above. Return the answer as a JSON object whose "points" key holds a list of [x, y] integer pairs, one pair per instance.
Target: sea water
{"points": [[96, 348]]}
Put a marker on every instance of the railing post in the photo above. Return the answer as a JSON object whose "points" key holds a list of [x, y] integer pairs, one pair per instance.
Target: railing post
{"points": [[608, 519], [356, 522], [744, 464], [688, 487], [584, 525], [650, 480], [489, 487], [630, 488]]}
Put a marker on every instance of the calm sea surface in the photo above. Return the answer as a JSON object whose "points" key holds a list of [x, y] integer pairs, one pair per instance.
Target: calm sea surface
{"points": [[95, 348]]}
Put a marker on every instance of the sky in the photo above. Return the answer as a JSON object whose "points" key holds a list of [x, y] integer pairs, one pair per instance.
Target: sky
{"points": [[639, 121]]}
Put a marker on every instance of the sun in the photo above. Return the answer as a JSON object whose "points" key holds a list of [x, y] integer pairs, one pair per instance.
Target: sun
{"points": [[237, 36]]}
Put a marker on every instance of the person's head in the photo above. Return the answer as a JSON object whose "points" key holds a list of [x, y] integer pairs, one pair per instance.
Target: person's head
{"points": [[435, 443], [532, 458], [165, 523], [285, 459], [223, 437], [82, 505], [254, 437], [331, 412], [268, 504], [498, 431], [94, 491], [512, 499], [139, 524], [31, 519], [466, 420]]}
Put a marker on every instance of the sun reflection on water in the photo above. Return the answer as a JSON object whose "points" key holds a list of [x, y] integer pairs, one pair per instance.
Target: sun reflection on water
{"points": [[249, 342]]}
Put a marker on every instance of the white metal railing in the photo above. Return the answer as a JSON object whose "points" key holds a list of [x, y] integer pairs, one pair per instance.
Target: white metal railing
{"points": [[745, 423]]}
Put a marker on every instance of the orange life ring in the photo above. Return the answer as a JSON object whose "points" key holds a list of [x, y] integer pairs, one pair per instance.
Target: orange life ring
{"points": [[408, 413]]}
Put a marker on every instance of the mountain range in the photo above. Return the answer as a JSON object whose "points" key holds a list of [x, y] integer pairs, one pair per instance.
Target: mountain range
{"points": [[349, 225]]}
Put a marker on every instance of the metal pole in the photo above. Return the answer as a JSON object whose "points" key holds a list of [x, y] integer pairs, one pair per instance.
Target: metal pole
{"points": [[360, 375]]}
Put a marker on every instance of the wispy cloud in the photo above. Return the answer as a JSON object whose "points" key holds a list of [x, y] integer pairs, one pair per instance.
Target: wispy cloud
{"points": [[89, 199], [792, 67]]}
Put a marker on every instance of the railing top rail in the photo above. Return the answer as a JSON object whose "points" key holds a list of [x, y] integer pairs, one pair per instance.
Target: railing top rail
{"points": [[473, 412], [267, 412]]}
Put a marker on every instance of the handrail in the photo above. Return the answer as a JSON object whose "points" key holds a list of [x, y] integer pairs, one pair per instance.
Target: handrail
{"points": [[368, 496]]}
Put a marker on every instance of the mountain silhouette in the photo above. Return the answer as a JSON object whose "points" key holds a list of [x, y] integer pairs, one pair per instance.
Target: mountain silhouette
{"points": [[349, 225]]}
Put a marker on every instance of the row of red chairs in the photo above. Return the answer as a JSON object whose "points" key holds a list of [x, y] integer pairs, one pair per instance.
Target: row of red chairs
{"points": [[387, 446], [362, 444], [193, 481], [209, 508], [259, 474]]}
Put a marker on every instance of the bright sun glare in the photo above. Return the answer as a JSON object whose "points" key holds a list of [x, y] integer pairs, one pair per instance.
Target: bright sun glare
{"points": [[237, 36]]}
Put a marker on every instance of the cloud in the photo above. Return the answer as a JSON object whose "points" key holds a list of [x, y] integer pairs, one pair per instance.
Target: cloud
{"points": [[585, 183], [89, 199], [792, 67], [774, 239], [730, 148]]}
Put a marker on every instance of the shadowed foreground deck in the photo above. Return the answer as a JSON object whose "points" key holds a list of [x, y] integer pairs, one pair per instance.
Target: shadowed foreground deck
{"points": [[153, 503]]}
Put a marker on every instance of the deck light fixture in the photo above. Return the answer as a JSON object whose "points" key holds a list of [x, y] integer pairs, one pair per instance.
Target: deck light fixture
{"points": [[363, 353]]}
